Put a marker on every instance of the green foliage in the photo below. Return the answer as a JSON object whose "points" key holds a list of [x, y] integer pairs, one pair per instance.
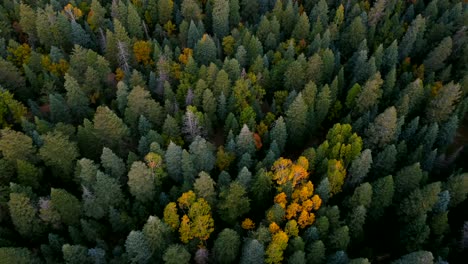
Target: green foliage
{"points": [[176, 254], [226, 246], [142, 182], [23, 215], [101, 101], [59, 153], [137, 247], [234, 202]]}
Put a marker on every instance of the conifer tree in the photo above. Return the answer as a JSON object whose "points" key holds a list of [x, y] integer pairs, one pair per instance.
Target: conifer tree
{"points": [[59, 153], [221, 18], [383, 131], [142, 182], [234, 202], [226, 246], [296, 120]]}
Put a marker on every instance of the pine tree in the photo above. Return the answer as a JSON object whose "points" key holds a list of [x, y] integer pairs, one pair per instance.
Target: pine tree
{"points": [[59, 153], [406, 46], [79, 36], [137, 247], [176, 254], [59, 111], [359, 168], [158, 234], [442, 105], [370, 94], [15, 145], [142, 182], [23, 215], [234, 15], [249, 10], [234, 203], [193, 35], [302, 28], [204, 187], [245, 142], [191, 10], [435, 59], [134, 22], [109, 128], [221, 18], [226, 246], [382, 196], [324, 102], [407, 179], [76, 98], [67, 205], [252, 252], [165, 9], [383, 130], [296, 120], [202, 153], [112, 163]]}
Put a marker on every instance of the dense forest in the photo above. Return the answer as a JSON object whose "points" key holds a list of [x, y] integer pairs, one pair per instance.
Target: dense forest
{"points": [[233, 131]]}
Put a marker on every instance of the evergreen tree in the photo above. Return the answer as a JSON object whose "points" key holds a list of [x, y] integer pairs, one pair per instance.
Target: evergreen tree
{"points": [[59, 111], [370, 94], [442, 105], [59, 153], [416, 28], [112, 164], [137, 247], [302, 28], [142, 182], [383, 131], [176, 254], [221, 18], [226, 246], [245, 141], [204, 187], [252, 252], [76, 98], [205, 50], [234, 15], [134, 22], [360, 167], [234, 202], [296, 120], [158, 235], [16, 146], [109, 128], [165, 9]]}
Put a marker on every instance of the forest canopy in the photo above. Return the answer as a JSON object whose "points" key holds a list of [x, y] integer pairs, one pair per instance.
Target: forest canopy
{"points": [[233, 131]]}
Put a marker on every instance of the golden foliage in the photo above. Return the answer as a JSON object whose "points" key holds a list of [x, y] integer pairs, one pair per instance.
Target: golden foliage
{"points": [[58, 69], [228, 45], [119, 74], [142, 51], [169, 27], [20, 55], [186, 199], [185, 56], [184, 230], [72, 12], [281, 199], [292, 210], [273, 227], [305, 219], [171, 218], [248, 224]]}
